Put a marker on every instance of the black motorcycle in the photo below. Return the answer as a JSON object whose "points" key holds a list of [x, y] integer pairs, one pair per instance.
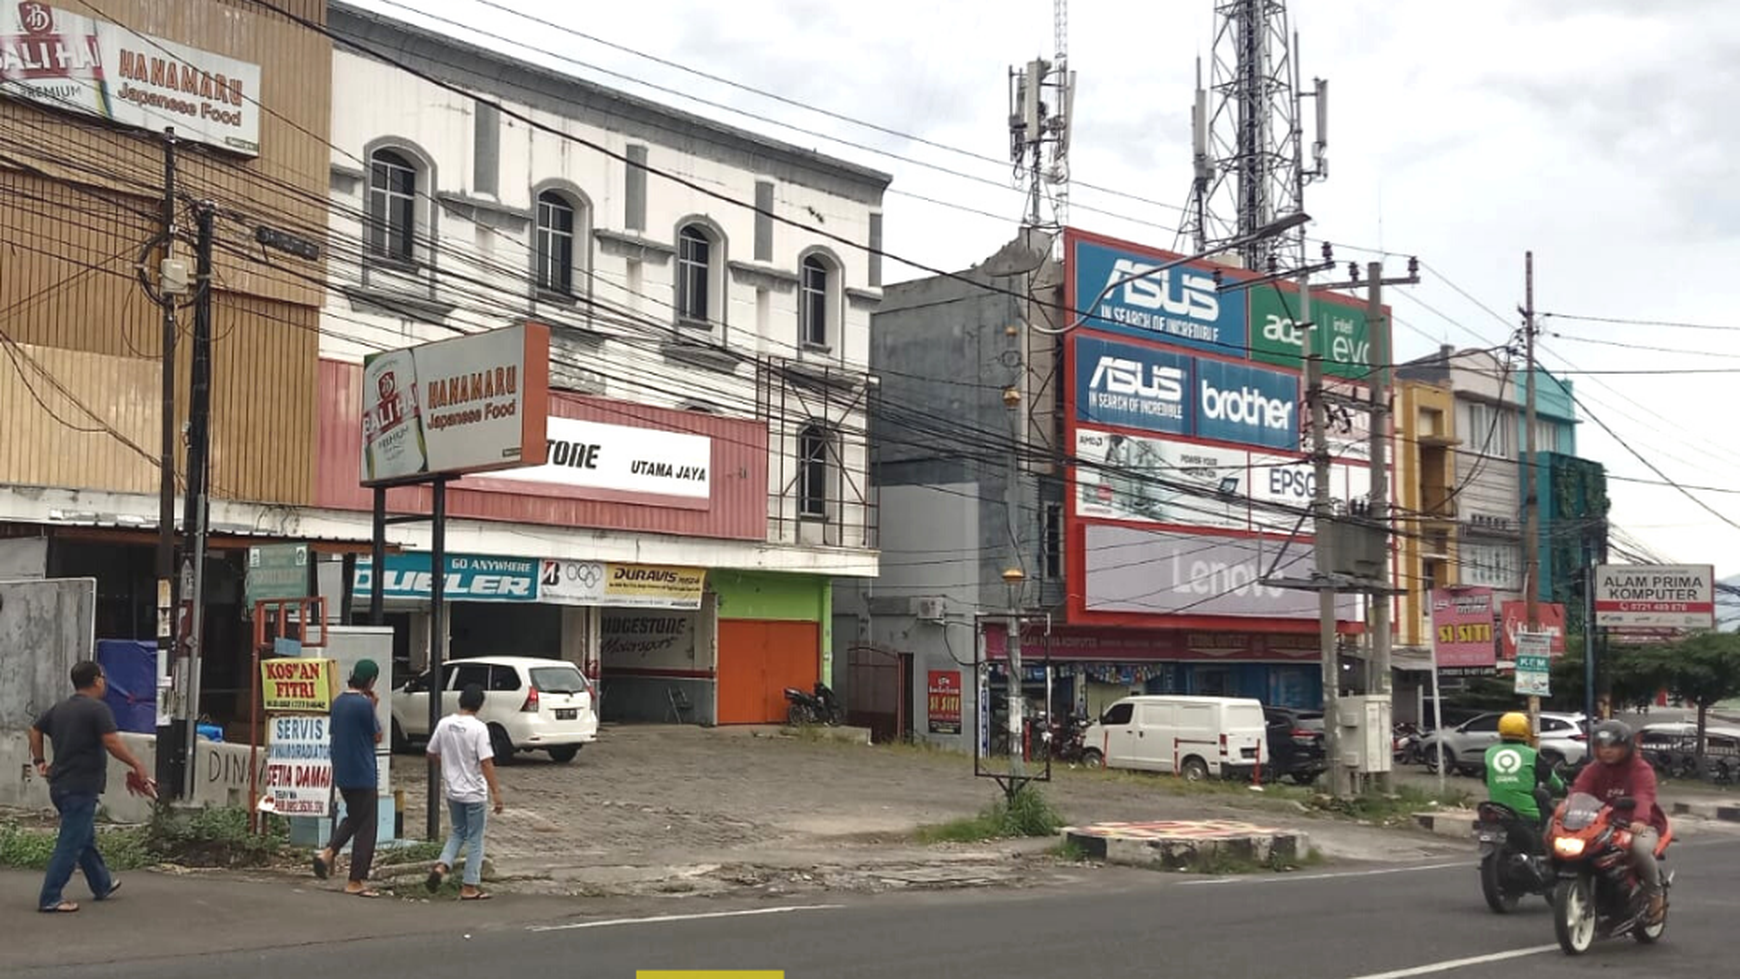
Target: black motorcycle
{"points": [[1513, 859], [817, 707]]}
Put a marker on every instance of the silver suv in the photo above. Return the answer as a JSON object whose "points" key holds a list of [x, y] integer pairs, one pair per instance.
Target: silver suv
{"points": [[1563, 742]]}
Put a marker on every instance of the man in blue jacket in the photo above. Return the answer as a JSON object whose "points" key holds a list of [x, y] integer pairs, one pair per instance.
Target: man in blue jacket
{"points": [[355, 731]]}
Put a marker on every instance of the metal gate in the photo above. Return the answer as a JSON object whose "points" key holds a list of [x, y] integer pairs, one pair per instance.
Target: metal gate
{"points": [[878, 692]]}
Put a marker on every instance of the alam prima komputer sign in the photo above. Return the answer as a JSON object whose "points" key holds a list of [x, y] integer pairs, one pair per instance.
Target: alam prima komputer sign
{"points": [[1181, 426]]}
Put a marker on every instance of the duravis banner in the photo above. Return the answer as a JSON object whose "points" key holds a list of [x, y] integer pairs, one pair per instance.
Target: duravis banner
{"points": [[1131, 386], [620, 585], [1248, 405], [1180, 305]]}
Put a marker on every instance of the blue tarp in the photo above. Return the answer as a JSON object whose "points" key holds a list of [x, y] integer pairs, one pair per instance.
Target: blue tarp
{"points": [[131, 668]]}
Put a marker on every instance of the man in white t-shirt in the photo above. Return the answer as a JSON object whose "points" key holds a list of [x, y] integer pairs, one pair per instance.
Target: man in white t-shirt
{"points": [[461, 744]]}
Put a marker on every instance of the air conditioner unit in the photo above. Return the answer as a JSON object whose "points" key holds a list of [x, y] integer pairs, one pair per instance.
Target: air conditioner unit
{"points": [[929, 609]]}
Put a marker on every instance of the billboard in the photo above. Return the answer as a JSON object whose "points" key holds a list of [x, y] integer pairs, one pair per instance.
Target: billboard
{"points": [[1160, 572], [615, 463], [474, 403], [1678, 596], [1247, 404], [620, 585], [1551, 616], [1342, 339], [1462, 634], [1180, 305], [1128, 477], [67, 61], [469, 578], [1288, 484], [1132, 386]]}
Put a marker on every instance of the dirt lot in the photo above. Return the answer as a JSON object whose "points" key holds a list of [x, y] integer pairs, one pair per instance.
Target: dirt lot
{"points": [[671, 796]]}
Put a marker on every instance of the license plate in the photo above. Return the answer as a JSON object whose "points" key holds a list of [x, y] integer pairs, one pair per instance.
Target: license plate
{"points": [[567, 714]]}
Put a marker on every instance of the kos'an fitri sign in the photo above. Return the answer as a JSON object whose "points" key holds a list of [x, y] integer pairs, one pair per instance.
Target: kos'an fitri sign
{"points": [[1674, 596]]}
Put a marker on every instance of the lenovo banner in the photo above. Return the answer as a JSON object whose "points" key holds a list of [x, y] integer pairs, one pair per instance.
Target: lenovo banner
{"points": [[1179, 305], [1158, 572], [1516, 619]]}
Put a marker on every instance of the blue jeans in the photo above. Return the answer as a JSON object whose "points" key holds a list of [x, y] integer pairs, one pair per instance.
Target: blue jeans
{"points": [[468, 819], [76, 846]]}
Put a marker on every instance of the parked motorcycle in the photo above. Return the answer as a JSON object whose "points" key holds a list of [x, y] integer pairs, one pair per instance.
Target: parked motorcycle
{"points": [[1512, 862], [1405, 744], [1596, 894], [817, 707], [1066, 739]]}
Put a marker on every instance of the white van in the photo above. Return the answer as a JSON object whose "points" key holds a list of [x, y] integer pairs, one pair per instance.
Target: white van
{"points": [[1197, 737]]}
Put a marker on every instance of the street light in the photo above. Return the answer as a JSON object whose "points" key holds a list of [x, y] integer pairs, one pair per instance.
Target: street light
{"points": [[1273, 229]]}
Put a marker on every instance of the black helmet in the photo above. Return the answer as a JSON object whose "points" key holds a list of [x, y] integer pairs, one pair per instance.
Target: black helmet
{"points": [[1610, 733]]}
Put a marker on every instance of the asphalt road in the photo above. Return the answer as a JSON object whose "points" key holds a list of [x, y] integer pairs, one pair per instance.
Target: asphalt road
{"points": [[1384, 923]]}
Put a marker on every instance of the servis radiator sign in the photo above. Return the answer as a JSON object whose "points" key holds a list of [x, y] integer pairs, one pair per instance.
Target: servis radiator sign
{"points": [[476, 403]]}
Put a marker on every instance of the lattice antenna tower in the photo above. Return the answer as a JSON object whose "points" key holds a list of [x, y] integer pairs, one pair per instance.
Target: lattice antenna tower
{"points": [[1248, 136], [1041, 103]]}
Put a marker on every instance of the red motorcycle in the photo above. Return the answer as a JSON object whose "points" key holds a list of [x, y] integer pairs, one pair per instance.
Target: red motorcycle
{"points": [[1597, 894]]}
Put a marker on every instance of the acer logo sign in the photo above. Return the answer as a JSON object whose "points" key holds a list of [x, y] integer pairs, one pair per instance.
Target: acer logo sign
{"points": [[1176, 292], [1283, 330], [1116, 375]]}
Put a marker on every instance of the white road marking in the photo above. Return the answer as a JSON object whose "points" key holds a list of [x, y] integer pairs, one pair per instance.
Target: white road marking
{"points": [[1452, 964], [1283, 878], [658, 919]]}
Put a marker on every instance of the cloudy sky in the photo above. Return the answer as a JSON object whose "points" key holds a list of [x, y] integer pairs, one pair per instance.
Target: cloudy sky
{"points": [[1593, 132]]}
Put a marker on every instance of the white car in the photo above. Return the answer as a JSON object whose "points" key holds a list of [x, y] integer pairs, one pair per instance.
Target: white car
{"points": [[1562, 742], [529, 703]]}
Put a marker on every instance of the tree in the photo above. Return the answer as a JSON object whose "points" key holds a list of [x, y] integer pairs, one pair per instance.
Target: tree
{"points": [[1703, 670]]}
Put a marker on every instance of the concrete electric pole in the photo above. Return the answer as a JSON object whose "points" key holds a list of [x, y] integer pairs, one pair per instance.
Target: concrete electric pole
{"points": [[1531, 496]]}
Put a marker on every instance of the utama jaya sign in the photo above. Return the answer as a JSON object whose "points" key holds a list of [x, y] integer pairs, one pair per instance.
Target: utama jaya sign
{"points": [[67, 61]]}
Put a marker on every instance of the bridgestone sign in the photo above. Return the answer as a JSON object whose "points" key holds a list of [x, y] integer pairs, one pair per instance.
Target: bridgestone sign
{"points": [[1674, 596]]}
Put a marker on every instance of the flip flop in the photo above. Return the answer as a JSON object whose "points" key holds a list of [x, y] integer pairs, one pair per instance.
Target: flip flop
{"points": [[479, 896], [64, 907], [321, 869], [433, 883], [365, 892], [113, 887]]}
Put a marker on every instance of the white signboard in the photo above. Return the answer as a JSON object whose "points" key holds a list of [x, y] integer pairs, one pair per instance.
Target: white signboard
{"points": [[1679, 596], [1129, 477], [67, 61], [1534, 658], [620, 585], [299, 765], [474, 403], [618, 463]]}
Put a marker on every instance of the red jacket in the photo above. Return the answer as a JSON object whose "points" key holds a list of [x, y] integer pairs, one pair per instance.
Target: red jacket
{"points": [[1634, 778]]}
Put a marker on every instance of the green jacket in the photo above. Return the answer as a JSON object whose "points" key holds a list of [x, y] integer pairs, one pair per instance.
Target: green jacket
{"points": [[1513, 769]]}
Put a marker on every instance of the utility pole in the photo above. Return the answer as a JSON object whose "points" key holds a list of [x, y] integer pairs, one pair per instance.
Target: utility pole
{"points": [[198, 507], [1013, 576], [170, 280], [1322, 511], [1531, 499]]}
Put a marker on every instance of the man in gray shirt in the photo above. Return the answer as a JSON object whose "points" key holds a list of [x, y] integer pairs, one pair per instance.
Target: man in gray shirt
{"points": [[82, 729]]}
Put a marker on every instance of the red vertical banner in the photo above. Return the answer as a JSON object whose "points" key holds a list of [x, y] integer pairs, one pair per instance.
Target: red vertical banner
{"points": [[944, 707], [1462, 628]]}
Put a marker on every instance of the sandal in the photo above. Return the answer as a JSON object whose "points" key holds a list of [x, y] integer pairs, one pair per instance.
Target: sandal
{"points": [[433, 883], [479, 896], [64, 907], [365, 892], [113, 887], [322, 869]]}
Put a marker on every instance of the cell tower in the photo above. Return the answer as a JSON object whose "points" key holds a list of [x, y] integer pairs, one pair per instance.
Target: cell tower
{"points": [[1041, 99], [1250, 167]]}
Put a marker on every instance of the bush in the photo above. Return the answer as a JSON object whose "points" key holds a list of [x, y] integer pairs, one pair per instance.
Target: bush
{"points": [[28, 848], [213, 838], [1027, 813]]}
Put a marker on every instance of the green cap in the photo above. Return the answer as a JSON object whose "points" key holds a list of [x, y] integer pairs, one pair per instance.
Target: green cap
{"points": [[366, 670]]}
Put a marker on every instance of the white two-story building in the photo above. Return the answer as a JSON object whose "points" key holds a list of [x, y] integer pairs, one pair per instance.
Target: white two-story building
{"points": [[707, 289]]}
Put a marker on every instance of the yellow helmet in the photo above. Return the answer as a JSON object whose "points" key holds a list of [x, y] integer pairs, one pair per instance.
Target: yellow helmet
{"points": [[1514, 726]]}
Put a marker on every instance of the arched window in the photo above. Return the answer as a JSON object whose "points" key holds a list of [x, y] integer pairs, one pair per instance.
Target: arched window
{"points": [[695, 274], [392, 231], [556, 238], [813, 302], [813, 445]]}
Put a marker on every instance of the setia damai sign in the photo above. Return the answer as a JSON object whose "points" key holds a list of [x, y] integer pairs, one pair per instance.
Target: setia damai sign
{"points": [[64, 60], [1678, 596], [476, 403]]}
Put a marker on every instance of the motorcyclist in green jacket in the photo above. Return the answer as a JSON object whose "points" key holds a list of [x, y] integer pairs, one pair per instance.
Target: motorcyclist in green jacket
{"points": [[1516, 772]]}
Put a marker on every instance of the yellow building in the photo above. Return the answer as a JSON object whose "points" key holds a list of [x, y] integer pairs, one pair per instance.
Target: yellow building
{"points": [[1425, 517]]}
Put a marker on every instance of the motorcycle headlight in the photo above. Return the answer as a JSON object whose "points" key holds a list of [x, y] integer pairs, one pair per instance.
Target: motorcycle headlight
{"points": [[1568, 847]]}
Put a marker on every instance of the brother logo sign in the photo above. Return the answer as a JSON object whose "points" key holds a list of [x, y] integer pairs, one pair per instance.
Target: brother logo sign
{"points": [[1179, 305], [1250, 405], [1137, 387]]}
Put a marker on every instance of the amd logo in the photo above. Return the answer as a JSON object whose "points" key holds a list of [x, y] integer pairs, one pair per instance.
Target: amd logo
{"points": [[1185, 294], [1116, 375]]}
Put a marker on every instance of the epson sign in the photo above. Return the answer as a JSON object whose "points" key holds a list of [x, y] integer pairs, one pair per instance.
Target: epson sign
{"points": [[1136, 387], [1127, 291]]}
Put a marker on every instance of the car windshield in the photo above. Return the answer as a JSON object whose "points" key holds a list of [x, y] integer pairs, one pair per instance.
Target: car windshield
{"points": [[558, 679]]}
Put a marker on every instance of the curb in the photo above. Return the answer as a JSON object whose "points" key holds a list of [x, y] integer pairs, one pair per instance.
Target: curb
{"points": [[1183, 852], [1709, 810], [1454, 823]]}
